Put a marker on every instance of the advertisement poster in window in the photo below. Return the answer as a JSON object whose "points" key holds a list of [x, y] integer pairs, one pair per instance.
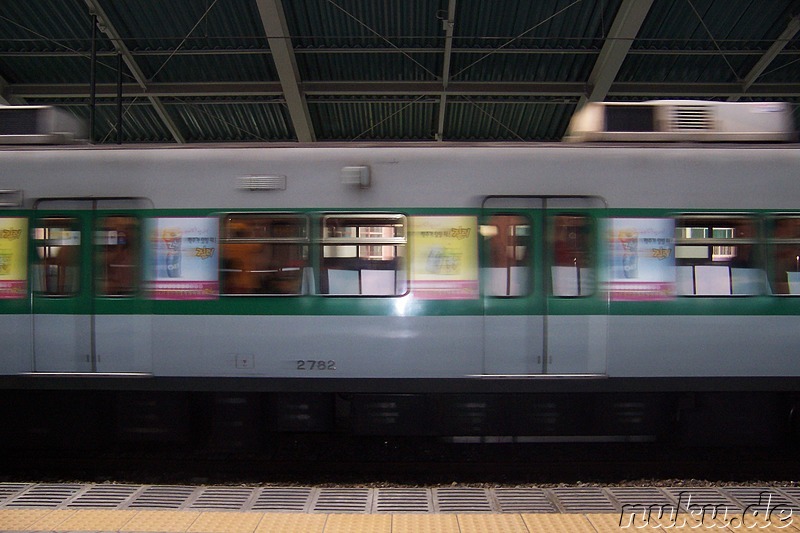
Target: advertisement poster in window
{"points": [[13, 258], [183, 258], [641, 259], [444, 257]]}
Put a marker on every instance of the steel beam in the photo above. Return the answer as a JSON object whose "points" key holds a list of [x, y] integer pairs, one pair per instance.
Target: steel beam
{"points": [[449, 26], [567, 90], [3, 86], [34, 54], [769, 56], [280, 43], [620, 37]]}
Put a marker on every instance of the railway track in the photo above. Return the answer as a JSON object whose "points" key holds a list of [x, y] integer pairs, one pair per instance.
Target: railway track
{"points": [[405, 461]]}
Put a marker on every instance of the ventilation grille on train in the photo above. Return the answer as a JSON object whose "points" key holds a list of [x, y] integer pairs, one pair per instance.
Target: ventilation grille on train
{"points": [[262, 183], [682, 121], [691, 119]]}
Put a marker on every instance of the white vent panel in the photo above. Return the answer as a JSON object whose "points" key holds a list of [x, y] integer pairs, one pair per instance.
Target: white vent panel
{"points": [[262, 183], [691, 118]]}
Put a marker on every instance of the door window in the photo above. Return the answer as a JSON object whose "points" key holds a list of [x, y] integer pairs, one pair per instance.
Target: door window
{"points": [[573, 258], [507, 239], [57, 264], [117, 256]]}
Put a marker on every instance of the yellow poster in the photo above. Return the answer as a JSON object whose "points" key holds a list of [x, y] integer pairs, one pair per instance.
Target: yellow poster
{"points": [[13, 257], [444, 257]]}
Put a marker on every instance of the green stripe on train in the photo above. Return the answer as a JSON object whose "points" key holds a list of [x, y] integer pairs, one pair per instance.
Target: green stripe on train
{"points": [[534, 304]]}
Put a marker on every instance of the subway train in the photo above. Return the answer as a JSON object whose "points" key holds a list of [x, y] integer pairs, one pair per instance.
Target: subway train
{"points": [[602, 291]]}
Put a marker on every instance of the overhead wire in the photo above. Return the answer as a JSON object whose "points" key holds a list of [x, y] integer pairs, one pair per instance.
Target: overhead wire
{"points": [[713, 40], [521, 35]]}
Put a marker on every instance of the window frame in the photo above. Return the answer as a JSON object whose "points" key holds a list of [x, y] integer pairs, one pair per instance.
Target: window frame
{"points": [[302, 241], [710, 222], [47, 242], [772, 243], [396, 241]]}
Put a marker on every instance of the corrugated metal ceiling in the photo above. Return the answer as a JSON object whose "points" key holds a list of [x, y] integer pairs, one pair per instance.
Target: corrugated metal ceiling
{"points": [[386, 70]]}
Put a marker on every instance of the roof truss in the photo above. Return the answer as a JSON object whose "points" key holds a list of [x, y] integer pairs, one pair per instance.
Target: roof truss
{"points": [[308, 39], [280, 43]]}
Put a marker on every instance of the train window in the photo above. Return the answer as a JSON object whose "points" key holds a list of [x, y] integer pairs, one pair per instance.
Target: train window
{"points": [[572, 270], [717, 256], [363, 255], [56, 268], [117, 256], [507, 239], [784, 244], [263, 254]]}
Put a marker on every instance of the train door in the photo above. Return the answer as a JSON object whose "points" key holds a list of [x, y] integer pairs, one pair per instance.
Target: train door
{"points": [[88, 313], [512, 288], [543, 314]]}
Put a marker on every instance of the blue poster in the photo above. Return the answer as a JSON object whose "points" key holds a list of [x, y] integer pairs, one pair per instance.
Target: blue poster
{"points": [[184, 259], [641, 259]]}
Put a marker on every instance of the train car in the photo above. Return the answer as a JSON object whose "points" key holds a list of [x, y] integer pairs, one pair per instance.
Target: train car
{"points": [[574, 292]]}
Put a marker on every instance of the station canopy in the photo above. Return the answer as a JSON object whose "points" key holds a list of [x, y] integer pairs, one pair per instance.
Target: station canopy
{"points": [[199, 71]]}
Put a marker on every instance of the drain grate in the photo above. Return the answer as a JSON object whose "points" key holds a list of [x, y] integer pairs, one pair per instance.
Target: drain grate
{"points": [[642, 498], [584, 500], [703, 497], [793, 493], [732, 500], [400, 500], [104, 496], [530, 500], [45, 495], [462, 500], [283, 499], [163, 497], [222, 498], [342, 500], [762, 498], [8, 490]]}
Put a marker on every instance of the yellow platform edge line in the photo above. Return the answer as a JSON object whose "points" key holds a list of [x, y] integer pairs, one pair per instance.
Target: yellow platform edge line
{"points": [[169, 521], [187, 521]]}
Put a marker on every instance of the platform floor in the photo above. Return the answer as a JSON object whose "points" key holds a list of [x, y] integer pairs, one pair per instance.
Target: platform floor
{"points": [[115, 507]]}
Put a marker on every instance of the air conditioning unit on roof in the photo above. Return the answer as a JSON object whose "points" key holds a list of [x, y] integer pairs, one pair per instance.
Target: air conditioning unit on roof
{"points": [[682, 120], [33, 124]]}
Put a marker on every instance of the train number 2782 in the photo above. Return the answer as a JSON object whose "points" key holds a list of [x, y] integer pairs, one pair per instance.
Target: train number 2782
{"points": [[314, 364]]}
